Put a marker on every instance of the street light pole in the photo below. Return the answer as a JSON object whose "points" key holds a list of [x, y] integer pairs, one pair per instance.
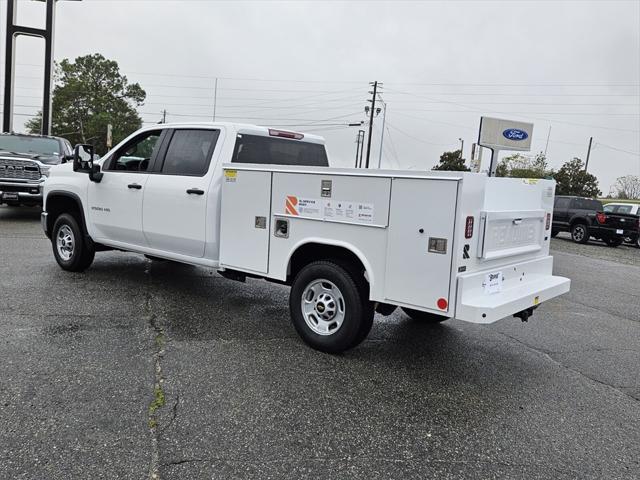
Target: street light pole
{"points": [[461, 147]]}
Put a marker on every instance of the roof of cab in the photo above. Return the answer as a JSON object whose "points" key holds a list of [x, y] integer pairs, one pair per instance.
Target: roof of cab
{"points": [[239, 128]]}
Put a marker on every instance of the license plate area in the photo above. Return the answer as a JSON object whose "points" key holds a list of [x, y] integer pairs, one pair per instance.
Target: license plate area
{"points": [[509, 233], [10, 196]]}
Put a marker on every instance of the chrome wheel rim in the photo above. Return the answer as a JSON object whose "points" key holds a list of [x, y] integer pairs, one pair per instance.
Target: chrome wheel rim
{"points": [[65, 242], [578, 233], [323, 307]]}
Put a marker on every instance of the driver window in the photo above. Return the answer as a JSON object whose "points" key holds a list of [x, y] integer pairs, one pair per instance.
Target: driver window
{"points": [[135, 155]]}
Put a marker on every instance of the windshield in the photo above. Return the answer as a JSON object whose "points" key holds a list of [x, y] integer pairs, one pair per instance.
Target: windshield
{"points": [[34, 145]]}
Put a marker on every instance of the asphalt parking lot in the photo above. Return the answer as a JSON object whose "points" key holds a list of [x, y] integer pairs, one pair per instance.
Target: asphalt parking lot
{"points": [[240, 396]]}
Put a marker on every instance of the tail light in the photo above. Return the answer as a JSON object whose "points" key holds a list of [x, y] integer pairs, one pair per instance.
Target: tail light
{"points": [[468, 228], [284, 134], [601, 218], [548, 223]]}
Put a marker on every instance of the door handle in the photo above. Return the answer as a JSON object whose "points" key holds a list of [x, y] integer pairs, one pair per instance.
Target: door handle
{"points": [[134, 185], [195, 191]]}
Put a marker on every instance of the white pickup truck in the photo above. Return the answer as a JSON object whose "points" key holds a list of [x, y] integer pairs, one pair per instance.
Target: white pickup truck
{"points": [[262, 203]]}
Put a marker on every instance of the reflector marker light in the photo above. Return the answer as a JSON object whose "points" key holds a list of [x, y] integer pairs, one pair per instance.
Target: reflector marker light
{"points": [[285, 134], [468, 228]]}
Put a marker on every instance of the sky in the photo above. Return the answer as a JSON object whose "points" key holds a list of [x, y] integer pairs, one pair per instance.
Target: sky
{"points": [[572, 68]]}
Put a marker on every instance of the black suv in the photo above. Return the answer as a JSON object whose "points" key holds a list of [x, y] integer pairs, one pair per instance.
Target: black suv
{"points": [[25, 161], [585, 218]]}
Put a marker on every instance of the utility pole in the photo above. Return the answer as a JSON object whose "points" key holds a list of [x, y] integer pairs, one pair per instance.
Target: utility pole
{"points": [[461, 147], [547, 144], [384, 116], [359, 141], [586, 164], [164, 116], [361, 133], [215, 98], [373, 107]]}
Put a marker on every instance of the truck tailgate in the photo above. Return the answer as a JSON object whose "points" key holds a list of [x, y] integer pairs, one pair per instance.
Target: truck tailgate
{"points": [[512, 232]]}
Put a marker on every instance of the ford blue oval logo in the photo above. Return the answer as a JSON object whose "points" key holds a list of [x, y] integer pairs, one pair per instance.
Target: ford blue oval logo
{"points": [[515, 134]]}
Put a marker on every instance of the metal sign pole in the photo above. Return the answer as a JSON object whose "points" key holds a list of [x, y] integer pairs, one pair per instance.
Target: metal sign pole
{"points": [[493, 166], [13, 31]]}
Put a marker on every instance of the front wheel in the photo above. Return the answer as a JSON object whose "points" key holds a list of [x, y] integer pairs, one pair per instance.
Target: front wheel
{"points": [[328, 309], [580, 233], [613, 242], [70, 248], [423, 317]]}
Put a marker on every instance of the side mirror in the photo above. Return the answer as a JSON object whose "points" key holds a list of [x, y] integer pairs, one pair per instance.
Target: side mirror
{"points": [[83, 158]]}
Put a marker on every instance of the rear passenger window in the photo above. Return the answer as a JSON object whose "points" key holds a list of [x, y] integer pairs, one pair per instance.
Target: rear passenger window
{"points": [[586, 204], [624, 209], [189, 152], [278, 151], [562, 203]]}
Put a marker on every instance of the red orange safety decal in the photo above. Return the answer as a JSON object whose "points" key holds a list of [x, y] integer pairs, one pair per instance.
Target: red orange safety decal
{"points": [[290, 205]]}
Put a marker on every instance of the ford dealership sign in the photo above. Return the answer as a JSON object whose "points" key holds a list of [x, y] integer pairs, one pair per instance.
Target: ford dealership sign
{"points": [[515, 134], [500, 134]]}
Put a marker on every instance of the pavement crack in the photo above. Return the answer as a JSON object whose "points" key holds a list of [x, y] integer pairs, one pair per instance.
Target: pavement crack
{"points": [[158, 400], [182, 461], [174, 413], [549, 356]]}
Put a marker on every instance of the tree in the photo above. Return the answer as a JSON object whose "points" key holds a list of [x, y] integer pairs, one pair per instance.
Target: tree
{"points": [[627, 187], [573, 180], [524, 166], [89, 94], [452, 161]]}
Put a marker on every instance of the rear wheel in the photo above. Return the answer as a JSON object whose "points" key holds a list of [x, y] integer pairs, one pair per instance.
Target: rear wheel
{"points": [[424, 317], [580, 233], [70, 248], [613, 242], [328, 309]]}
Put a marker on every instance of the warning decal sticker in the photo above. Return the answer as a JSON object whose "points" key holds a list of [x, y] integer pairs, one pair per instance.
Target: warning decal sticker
{"points": [[329, 209], [305, 207]]}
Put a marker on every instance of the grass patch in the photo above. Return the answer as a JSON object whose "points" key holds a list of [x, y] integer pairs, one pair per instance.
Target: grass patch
{"points": [[158, 401]]}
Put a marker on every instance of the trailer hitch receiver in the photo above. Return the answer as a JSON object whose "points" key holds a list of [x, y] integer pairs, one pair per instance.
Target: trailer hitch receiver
{"points": [[524, 314]]}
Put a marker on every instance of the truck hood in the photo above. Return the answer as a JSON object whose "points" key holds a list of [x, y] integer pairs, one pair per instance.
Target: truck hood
{"points": [[43, 159]]}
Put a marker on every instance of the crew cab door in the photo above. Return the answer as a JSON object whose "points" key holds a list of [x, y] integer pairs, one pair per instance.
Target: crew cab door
{"points": [[176, 195], [560, 212], [115, 203]]}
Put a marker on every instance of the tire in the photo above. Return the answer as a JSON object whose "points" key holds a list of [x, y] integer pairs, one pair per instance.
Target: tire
{"points": [[580, 233], [337, 316], [424, 317], [554, 233], [70, 247], [613, 242]]}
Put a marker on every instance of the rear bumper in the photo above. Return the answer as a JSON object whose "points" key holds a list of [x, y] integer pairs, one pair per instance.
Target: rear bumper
{"points": [[523, 285], [605, 233], [21, 192]]}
